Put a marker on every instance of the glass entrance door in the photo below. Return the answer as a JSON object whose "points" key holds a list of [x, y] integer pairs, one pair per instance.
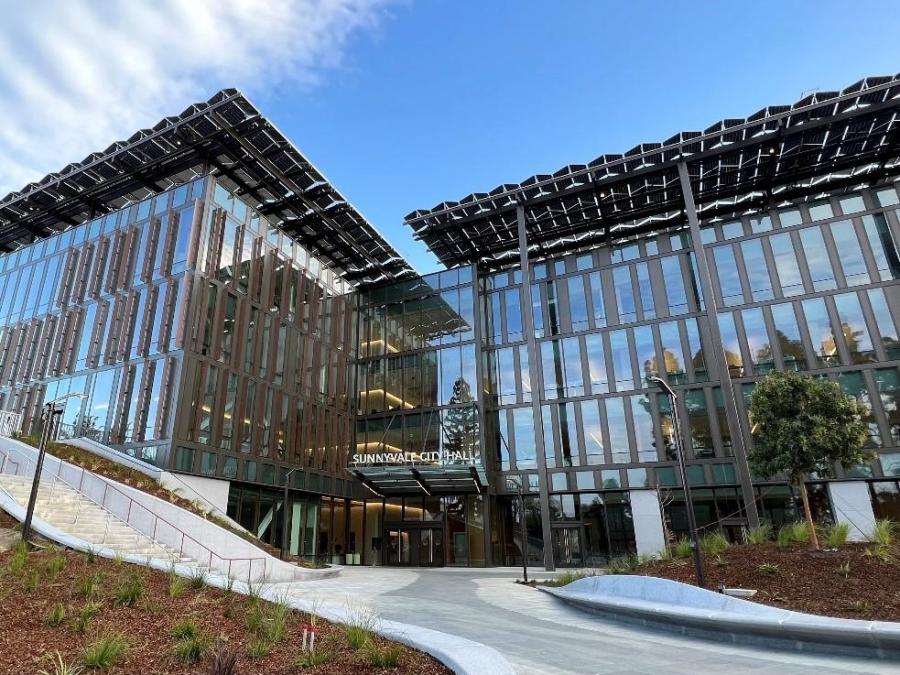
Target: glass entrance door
{"points": [[414, 546], [567, 549]]}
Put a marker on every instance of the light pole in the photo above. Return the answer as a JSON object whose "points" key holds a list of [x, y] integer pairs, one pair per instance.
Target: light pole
{"points": [[692, 521], [49, 415], [284, 513]]}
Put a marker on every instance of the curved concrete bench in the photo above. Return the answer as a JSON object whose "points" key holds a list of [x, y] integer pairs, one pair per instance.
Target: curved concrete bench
{"points": [[671, 604]]}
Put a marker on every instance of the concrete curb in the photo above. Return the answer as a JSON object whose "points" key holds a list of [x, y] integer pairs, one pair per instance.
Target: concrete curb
{"points": [[666, 604]]}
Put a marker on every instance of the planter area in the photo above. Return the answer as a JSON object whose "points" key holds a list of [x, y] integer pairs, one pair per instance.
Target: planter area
{"points": [[65, 604]]}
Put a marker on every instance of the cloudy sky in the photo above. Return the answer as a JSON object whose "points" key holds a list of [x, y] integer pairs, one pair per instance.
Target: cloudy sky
{"points": [[406, 103]]}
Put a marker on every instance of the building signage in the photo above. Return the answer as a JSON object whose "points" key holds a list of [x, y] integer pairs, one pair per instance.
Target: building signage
{"points": [[449, 457]]}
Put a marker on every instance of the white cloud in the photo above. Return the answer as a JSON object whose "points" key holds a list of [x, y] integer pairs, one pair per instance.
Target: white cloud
{"points": [[77, 75]]}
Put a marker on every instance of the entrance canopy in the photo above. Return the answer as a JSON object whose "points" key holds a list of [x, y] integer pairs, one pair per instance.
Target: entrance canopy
{"points": [[416, 480]]}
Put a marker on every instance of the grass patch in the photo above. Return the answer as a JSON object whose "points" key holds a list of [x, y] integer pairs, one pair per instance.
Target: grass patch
{"points": [[835, 534], [384, 657], [312, 659], [87, 612], [56, 615], [19, 558], [129, 591], [58, 666], [32, 581], [793, 533], [682, 548], [193, 649], [714, 543], [883, 532], [177, 586], [54, 566], [568, 576], [359, 627], [88, 586], [104, 652], [759, 535], [185, 629], [198, 579]]}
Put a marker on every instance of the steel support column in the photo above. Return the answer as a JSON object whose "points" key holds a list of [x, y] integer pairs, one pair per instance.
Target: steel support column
{"points": [[478, 331], [718, 349], [535, 374]]}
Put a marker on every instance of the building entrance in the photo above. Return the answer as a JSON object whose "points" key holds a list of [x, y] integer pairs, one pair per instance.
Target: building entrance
{"points": [[414, 546]]}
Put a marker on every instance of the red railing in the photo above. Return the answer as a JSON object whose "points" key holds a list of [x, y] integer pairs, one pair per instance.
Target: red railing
{"points": [[120, 505]]}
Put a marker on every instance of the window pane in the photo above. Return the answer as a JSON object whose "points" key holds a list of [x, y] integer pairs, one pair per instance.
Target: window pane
{"points": [[646, 353], [787, 334], [618, 432], [757, 270], [551, 359], [621, 360], [820, 211], [786, 264], [820, 331], [731, 344], [817, 259], [593, 432], [674, 283], [513, 315], [523, 432], [758, 341], [733, 230], [879, 235], [695, 350], [698, 423], [568, 436], [851, 257], [646, 291], [673, 354], [726, 269], [887, 380], [854, 329], [624, 294], [596, 363], [643, 429], [854, 384], [597, 299], [886, 328]]}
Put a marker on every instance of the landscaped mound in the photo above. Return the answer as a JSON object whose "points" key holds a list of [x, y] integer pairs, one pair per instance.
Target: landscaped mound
{"points": [[69, 608], [856, 581]]}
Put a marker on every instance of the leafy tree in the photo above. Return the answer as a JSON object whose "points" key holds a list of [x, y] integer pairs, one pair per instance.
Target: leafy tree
{"points": [[803, 425], [460, 424]]}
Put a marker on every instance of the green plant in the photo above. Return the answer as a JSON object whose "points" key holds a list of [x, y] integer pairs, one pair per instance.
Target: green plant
{"points": [[198, 579], [793, 533], [258, 647], [859, 606], [880, 553], [836, 534], [714, 543], [87, 586], [85, 614], [32, 581], [844, 569], [58, 666], [19, 558], [359, 627], [682, 548], [759, 535], [129, 591], [568, 576], [55, 565], [185, 629], [805, 425], [883, 532], [384, 657], [311, 659], [277, 618], [192, 649], [768, 568], [177, 585], [56, 615], [223, 660], [625, 564], [104, 652]]}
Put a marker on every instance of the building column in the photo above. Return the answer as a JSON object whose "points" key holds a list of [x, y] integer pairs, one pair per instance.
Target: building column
{"points": [[480, 391], [718, 349], [647, 515], [852, 505], [535, 375]]}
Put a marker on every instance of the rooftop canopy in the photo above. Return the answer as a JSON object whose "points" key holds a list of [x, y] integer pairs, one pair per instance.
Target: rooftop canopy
{"points": [[821, 142], [226, 136]]}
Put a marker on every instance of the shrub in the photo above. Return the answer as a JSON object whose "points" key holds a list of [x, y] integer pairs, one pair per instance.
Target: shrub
{"points": [[793, 533], [759, 535], [384, 657], [193, 649], [58, 666], [85, 614], [883, 532], [129, 591], [55, 565], [714, 543], [104, 652], [185, 629], [682, 548], [359, 627], [56, 615], [836, 534]]}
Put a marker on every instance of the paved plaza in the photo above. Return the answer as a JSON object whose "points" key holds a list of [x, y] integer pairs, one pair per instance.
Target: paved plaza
{"points": [[539, 634]]}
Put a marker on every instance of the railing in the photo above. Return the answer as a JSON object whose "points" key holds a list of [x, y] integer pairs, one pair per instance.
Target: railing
{"points": [[10, 423], [117, 503]]}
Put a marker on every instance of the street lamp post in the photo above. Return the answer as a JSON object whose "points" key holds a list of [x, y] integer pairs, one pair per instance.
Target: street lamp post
{"points": [[524, 531], [692, 520], [284, 514], [49, 416]]}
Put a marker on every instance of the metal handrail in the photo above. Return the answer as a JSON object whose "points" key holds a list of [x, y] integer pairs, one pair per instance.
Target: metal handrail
{"points": [[127, 519]]}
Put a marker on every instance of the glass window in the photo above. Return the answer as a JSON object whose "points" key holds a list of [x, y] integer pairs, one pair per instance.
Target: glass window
{"points": [[513, 315], [787, 334], [887, 381], [760, 223], [726, 269], [673, 280], [578, 303], [568, 436], [552, 361], [850, 257], [695, 350], [645, 441], [593, 432], [619, 446], [523, 433], [672, 352], [890, 464], [596, 363], [821, 331], [597, 299], [885, 322], [820, 211], [733, 230], [621, 360], [537, 311], [854, 329], [584, 480], [757, 270], [758, 344], [708, 234], [882, 243], [887, 197], [572, 358], [637, 478], [731, 344], [646, 291], [817, 259], [552, 308], [854, 384], [723, 474], [624, 294], [645, 350], [790, 217], [698, 423], [852, 204], [786, 264], [584, 262], [625, 253], [611, 479]]}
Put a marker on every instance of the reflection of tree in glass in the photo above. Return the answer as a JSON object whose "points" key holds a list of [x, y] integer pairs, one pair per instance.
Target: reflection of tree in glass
{"points": [[459, 422], [672, 366], [854, 340], [791, 351]]}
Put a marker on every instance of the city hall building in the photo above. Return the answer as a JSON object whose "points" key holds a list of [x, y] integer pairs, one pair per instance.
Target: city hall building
{"points": [[230, 316]]}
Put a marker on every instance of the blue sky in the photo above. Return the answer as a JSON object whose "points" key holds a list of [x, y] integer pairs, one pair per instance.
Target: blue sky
{"points": [[406, 104]]}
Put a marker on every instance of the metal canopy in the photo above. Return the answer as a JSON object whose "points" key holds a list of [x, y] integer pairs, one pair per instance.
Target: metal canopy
{"points": [[226, 136], [823, 141], [421, 479]]}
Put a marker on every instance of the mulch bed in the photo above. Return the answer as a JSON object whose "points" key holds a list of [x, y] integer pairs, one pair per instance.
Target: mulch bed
{"points": [[25, 638], [800, 578]]}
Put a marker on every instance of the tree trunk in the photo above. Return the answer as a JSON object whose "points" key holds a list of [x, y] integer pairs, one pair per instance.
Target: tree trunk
{"points": [[813, 538]]}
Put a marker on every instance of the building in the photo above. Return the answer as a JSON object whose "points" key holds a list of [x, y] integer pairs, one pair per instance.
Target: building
{"points": [[231, 317]]}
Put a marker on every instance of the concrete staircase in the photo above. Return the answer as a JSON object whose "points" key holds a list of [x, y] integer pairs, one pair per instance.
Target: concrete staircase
{"points": [[76, 515]]}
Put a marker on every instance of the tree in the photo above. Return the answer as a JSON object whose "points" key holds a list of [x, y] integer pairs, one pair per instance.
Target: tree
{"points": [[803, 425], [460, 424]]}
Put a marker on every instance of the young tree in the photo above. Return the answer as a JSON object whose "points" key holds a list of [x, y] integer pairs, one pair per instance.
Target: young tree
{"points": [[802, 425]]}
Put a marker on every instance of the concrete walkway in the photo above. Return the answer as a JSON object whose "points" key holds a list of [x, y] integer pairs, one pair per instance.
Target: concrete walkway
{"points": [[539, 634]]}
